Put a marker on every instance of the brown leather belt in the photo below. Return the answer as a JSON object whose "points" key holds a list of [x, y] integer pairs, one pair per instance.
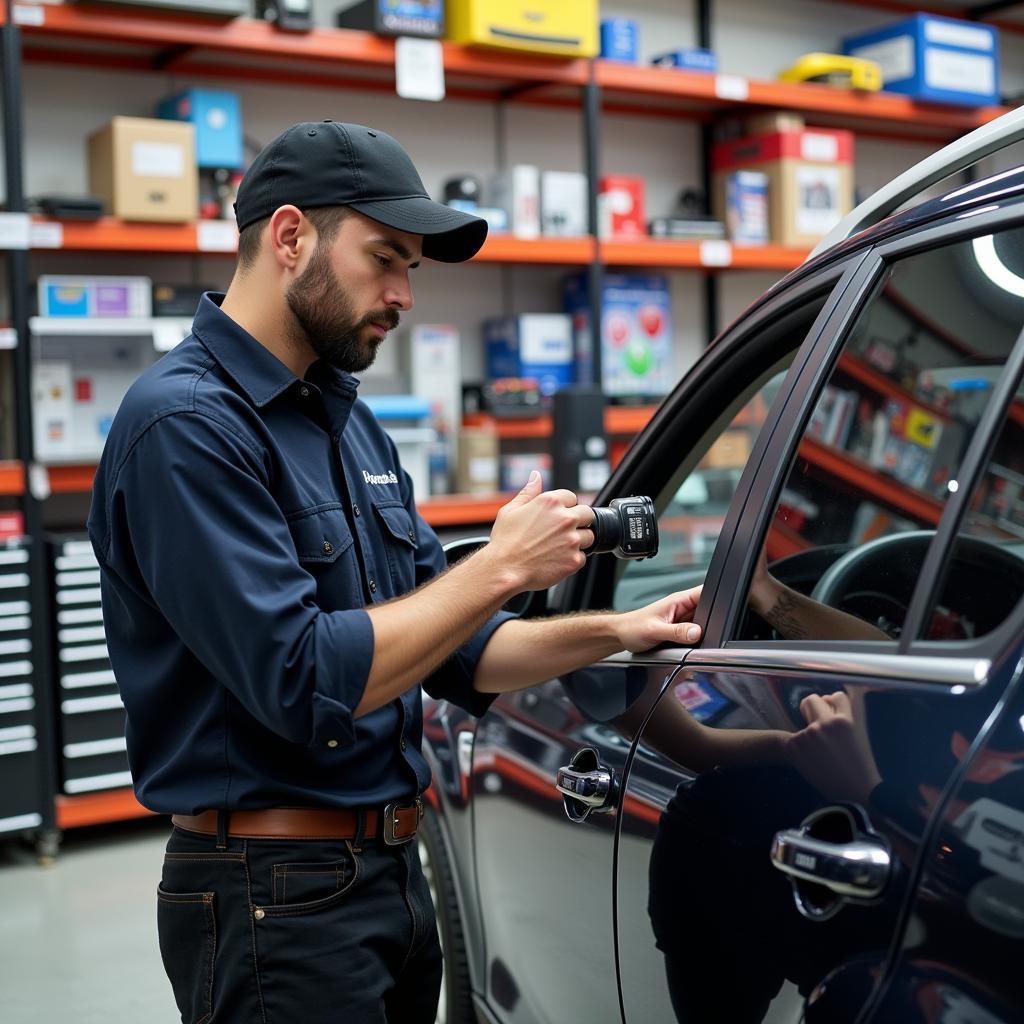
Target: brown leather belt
{"points": [[396, 824]]}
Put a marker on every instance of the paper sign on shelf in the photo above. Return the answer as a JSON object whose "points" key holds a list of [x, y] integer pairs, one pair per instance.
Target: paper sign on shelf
{"points": [[23, 14], [731, 87], [216, 236], [715, 253], [15, 230], [419, 68], [46, 235]]}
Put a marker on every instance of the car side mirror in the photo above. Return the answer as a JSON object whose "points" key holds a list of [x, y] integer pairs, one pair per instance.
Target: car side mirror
{"points": [[528, 604]]}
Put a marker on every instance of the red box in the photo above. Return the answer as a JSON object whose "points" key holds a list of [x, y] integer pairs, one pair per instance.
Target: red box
{"points": [[621, 206], [12, 526]]}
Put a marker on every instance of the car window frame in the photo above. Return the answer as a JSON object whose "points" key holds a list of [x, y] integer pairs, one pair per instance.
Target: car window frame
{"points": [[952, 663], [654, 454]]}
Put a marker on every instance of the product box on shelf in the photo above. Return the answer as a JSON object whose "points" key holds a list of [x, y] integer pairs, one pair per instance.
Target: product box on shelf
{"points": [[943, 60], [79, 295], [538, 345], [746, 207], [145, 169], [636, 332], [515, 469], [563, 203], [406, 419], [216, 117], [693, 58], [516, 190], [620, 206], [810, 179], [620, 40], [431, 360], [421, 18], [565, 28], [478, 471]]}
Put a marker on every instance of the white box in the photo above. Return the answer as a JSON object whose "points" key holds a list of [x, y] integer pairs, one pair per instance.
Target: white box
{"points": [[432, 362], [517, 191], [563, 203]]}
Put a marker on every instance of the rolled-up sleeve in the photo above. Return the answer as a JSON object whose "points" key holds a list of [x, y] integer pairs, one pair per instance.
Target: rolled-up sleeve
{"points": [[194, 528]]}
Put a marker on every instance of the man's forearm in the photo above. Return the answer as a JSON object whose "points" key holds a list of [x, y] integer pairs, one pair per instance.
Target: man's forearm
{"points": [[523, 652], [416, 633]]}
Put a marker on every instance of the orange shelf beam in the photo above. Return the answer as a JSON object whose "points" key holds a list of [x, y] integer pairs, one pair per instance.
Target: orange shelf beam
{"points": [[618, 420], [108, 234], [693, 256], [12, 478], [462, 509], [869, 481], [71, 479], [882, 385], [509, 249], [98, 808]]}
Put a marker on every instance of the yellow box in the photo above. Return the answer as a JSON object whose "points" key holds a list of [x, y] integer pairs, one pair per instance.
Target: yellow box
{"points": [[566, 28]]}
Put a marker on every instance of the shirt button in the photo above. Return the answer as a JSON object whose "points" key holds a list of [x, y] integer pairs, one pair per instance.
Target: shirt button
{"points": [[328, 547], [335, 437], [332, 743], [403, 744], [373, 585], [304, 391], [355, 510], [412, 536]]}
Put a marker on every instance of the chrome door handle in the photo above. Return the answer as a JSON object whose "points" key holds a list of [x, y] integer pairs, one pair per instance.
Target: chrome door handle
{"points": [[859, 868], [586, 785], [592, 788]]}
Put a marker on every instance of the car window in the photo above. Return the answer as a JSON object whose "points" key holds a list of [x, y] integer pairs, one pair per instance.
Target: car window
{"points": [[692, 505], [983, 577], [882, 447]]}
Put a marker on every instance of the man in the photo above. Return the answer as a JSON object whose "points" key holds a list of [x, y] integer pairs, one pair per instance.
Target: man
{"points": [[273, 600]]}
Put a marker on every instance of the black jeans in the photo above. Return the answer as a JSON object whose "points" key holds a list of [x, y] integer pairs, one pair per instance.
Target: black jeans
{"points": [[297, 931]]}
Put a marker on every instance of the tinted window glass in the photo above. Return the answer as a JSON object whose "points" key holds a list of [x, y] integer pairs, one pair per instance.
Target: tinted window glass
{"points": [[885, 439], [984, 577]]}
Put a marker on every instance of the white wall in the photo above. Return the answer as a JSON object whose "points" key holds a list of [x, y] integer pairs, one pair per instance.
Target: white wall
{"points": [[63, 105]]}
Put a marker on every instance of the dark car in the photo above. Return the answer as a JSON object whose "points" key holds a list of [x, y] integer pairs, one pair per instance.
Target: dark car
{"points": [[664, 837]]}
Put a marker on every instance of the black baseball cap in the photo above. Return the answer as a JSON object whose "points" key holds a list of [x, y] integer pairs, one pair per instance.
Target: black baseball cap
{"points": [[328, 163]]}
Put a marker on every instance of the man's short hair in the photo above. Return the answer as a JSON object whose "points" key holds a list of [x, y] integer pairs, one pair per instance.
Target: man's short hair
{"points": [[326, 220]]}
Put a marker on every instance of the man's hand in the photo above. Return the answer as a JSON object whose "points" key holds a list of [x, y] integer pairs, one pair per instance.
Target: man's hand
{"points": [[668, 621], [833, 751], [539, 536]]}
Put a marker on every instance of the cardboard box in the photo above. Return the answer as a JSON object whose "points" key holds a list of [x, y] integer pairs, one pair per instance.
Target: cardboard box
{"points": [[563, 203], [943, 60], [537, 345], [477, 470], [810, 179], [145, 169], [746, 207], [216, 117], [730, 450], [517, 191], [636, 332], [564, 27], [620, 206]]}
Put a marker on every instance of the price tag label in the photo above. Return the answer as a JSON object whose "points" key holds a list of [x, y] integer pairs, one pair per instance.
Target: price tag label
{"points": [[8, 338], [38, 480], [169, 331], [715, 253], [14, 230], [419, 68], [731, 87], [216, 236], [23, 14], [46, 235]]}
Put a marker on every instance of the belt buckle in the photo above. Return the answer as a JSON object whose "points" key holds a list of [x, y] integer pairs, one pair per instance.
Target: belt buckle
{"points": [[391, 822]]}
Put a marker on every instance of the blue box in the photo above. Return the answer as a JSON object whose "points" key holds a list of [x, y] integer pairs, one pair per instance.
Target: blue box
{"points": [[620, 40], [746, 207], [693, 58], [944, 60], [537, 345], [636, 332], [217, 118]]}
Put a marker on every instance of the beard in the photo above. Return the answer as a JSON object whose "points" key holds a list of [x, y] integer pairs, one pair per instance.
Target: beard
{"points": [[326, 316]]}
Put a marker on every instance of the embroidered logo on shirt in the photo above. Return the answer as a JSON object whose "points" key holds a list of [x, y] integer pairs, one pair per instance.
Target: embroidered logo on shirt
{"points": [[380, 478]]}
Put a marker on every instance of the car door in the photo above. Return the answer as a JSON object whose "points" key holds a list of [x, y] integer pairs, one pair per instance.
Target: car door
{"points": [[545, 879], [800, 755]]}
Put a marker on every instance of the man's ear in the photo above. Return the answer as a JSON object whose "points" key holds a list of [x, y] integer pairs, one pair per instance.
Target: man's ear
{"points": [[289, 235]]}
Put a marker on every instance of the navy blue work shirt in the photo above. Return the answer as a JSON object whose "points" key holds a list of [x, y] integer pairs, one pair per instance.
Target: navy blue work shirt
{"points": [[244, 519]]}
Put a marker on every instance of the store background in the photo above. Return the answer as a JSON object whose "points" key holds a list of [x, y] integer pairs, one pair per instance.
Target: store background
{"points": [[91, 937]]}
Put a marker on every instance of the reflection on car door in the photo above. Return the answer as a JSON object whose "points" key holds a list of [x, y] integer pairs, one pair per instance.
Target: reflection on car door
{"points": [[771, 887]]}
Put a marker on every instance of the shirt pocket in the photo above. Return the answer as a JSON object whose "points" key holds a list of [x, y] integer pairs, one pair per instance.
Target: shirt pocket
{"points": [[400, 544], [320, 535]]}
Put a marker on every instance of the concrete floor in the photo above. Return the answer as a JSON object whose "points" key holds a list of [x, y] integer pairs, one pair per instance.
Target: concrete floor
{"points": [[78, 938]]}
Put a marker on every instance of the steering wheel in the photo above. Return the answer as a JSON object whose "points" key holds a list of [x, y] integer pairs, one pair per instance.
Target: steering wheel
{"points": [[879, 577]]}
